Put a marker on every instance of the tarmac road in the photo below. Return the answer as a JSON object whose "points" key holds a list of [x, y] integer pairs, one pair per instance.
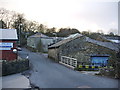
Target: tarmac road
{"points": [[47, 74]]}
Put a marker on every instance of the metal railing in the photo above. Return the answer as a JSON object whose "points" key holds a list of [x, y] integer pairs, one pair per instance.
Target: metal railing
{"points": [[68, 61]]}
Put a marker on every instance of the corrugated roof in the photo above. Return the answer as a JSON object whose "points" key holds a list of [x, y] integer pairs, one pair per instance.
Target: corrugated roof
{"points": [[8, 34], [73, 35], [64, 41]]}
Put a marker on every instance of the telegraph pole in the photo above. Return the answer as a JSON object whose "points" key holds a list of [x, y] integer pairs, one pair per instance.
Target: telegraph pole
{"points": [[20, 34]]}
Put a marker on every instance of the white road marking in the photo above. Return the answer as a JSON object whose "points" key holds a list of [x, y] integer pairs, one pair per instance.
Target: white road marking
{"points": [[83, 87]]}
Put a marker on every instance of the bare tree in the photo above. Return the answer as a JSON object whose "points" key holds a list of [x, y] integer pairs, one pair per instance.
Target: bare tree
{"points": [[3, 13], [31, 26], [8, 17]]}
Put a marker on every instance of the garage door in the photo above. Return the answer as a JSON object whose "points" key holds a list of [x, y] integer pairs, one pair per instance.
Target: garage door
{"points": [[101, 61]]}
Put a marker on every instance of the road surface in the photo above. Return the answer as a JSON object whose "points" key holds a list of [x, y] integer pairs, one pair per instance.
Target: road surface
{"points": [[47, 74], [15, 81]]}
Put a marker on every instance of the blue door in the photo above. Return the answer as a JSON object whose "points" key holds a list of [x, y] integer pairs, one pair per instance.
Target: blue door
{"points": [[100, 61]]}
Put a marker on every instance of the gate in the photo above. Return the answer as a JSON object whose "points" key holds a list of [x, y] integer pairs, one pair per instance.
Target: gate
{"points": [[68, 61]]}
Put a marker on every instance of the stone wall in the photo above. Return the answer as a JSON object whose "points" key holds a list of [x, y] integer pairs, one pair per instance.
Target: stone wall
{"points": [[45, 43], [82, 50], [32, 42], [53, 54]]}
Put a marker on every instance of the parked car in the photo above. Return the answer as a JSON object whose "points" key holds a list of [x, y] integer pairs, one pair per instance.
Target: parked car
{"points": [[19, 49]]}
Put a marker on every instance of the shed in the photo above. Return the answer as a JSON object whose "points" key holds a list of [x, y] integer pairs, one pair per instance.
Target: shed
{"points": [[37, 38], [8, 44], [53, 50], [85, 50]]}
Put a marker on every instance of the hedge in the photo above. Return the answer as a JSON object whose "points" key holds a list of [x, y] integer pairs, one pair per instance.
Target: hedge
{"points": [[16, 66]]}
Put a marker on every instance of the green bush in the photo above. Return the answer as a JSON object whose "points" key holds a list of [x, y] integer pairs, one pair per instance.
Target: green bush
{"points": [[12, 67], [117, 70], [107, 71]]}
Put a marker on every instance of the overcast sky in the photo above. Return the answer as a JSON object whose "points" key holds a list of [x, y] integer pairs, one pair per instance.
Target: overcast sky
{"points": [[81, 14]]}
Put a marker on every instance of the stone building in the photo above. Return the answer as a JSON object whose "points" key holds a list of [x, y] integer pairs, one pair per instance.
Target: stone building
{"points": [[85, 50], [33, 41]]}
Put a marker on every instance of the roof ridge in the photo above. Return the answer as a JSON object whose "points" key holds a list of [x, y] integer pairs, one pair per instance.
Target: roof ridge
{"points": [[109, 45]]}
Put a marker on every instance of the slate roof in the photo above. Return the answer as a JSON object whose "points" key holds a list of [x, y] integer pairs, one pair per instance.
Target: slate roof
{"points": [[8, 34], [64, 41], [110, 45]]}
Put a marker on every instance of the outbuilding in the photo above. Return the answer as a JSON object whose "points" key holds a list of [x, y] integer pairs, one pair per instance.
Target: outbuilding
{"points": [[85, 50], [39, 40], [8, 44]]}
